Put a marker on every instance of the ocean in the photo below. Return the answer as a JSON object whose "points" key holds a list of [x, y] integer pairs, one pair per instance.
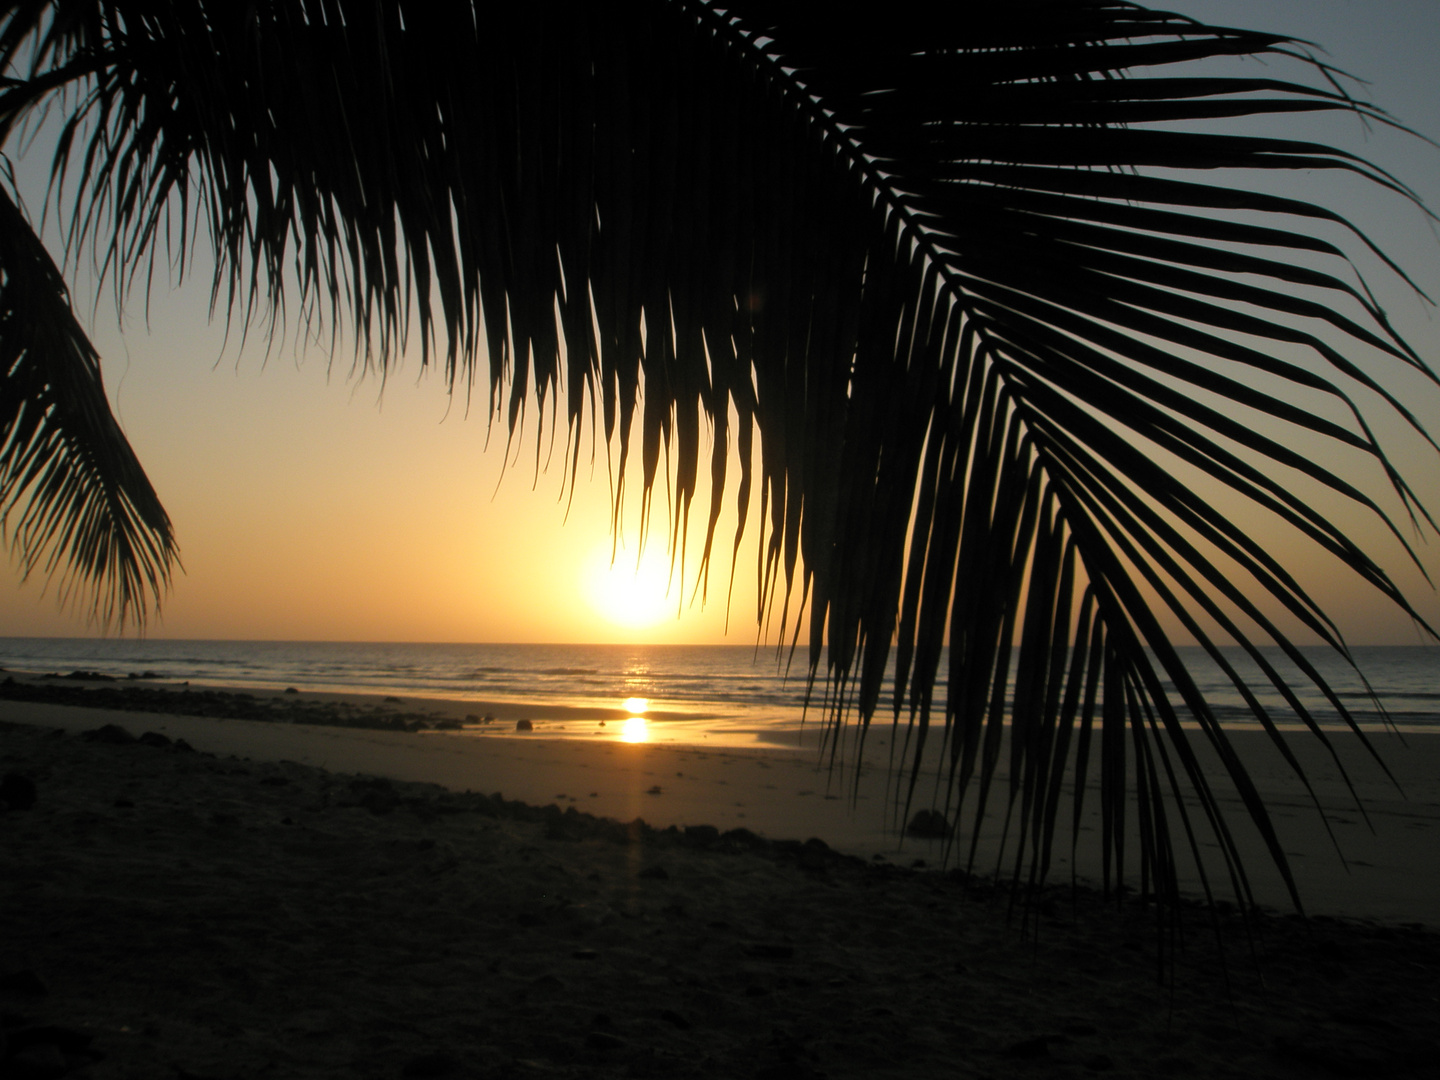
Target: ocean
{"points": [[738, 689]]}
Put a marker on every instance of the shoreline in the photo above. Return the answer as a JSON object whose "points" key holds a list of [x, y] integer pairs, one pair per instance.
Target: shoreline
{"points": [[1388, 874], [589, 681], [496, 715], [173, 912], [375, 709]]}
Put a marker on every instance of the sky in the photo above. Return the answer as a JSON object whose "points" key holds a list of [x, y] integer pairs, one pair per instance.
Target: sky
{"points": [[312, 505]]}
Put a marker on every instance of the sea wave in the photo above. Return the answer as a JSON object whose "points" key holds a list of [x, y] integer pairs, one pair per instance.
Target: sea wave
{"points": [[725, 678]]}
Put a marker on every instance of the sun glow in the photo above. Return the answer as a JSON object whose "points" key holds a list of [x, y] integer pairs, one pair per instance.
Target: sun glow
{"points": [[628, 594], [635, 730], [637, 706]]}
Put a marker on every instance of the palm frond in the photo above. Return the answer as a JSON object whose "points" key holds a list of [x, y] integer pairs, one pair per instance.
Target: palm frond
{"points": [[85, 508], [1000, 326], [1080, 328]]}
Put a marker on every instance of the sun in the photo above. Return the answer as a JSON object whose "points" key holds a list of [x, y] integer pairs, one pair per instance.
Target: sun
{"points": [[630, 595]]}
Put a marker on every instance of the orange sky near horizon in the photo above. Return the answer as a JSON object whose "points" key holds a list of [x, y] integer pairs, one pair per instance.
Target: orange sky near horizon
{"points": [[319, 508], [311, 506]]}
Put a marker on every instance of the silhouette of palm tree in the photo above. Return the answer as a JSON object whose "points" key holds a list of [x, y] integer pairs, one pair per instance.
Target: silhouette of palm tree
{"points": [[1022, 360]]}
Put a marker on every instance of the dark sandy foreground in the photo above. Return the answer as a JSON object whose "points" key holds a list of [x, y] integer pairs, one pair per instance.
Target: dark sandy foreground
{"points": [[166, 913]]}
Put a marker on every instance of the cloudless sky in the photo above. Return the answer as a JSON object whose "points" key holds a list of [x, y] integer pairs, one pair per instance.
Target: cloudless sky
{"points": [[310, 505]]}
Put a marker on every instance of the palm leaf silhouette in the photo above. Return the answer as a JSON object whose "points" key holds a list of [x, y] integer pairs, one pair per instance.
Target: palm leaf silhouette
{"points": [[1016, 353]]}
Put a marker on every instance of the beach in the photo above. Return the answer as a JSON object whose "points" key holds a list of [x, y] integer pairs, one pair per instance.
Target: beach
{"points": [[227, 898]]}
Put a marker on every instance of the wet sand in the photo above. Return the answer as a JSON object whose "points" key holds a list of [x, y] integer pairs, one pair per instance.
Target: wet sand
{"points": [[328, 901]]}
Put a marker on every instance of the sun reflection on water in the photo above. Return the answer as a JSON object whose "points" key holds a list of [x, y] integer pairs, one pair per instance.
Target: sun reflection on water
{"points": [[637, 706], [635, 730]]}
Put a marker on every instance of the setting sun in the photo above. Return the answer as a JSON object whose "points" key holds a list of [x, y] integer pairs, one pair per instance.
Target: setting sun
{"points": [[631, 595]]}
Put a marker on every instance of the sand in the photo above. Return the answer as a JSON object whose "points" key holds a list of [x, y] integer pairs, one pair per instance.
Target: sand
{"points": [[252, 906], [1379, 859]]}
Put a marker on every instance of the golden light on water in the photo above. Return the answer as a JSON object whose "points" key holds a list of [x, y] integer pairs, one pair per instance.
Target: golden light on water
{"points": [[635, 730], [636, 706]]}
